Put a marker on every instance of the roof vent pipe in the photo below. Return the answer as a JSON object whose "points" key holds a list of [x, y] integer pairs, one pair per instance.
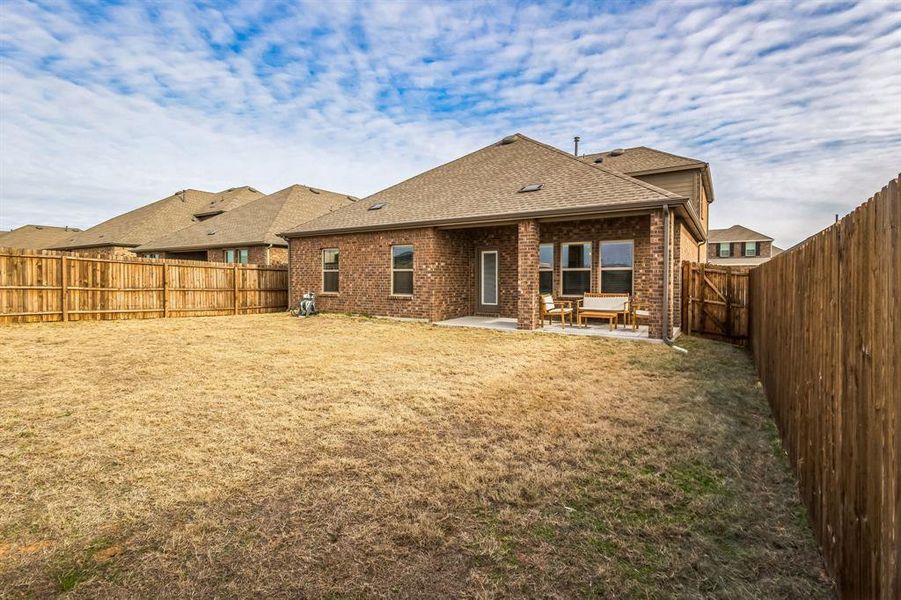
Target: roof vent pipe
{"points": [[576, 149]]}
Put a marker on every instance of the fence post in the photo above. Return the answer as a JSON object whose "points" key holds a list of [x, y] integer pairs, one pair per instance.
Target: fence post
{"points": [[165, 290], [235, 277], [64, 287], [728, 295]]}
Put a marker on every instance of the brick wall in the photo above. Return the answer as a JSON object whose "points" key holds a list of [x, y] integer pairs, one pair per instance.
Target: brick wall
{"points": [[256, 255], [713, 249], [527, 275], [105, 252]]}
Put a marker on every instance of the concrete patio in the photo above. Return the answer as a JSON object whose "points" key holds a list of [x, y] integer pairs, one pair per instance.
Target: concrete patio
{"points": [[509, 324]]}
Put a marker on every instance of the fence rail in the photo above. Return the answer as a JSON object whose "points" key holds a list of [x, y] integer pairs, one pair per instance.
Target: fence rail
{"points": [[825, 331], [51, 286]]}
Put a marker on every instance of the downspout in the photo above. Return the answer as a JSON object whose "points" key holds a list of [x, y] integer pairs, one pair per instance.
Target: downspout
{"points": [[666, 268]]}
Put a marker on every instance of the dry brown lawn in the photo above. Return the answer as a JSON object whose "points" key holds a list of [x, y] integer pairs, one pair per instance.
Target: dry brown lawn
{"points": [[352, 457]]}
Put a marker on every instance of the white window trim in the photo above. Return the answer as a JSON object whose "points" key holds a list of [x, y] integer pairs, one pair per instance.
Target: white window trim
{"points": [[393, 270], [236, 252], [324, 270], [747, 247], [548, 270], [602, 268], [482, 254], [564, 269]]}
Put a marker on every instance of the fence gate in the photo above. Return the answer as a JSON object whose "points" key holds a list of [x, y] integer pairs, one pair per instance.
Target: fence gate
{"points": [[715, 301]]}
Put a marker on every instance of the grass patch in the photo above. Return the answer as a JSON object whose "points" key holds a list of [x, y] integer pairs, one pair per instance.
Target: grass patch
{"points": [[351, 457]]}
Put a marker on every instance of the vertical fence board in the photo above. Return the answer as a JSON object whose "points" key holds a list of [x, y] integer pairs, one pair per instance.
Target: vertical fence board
{"points": [[825, 329]]}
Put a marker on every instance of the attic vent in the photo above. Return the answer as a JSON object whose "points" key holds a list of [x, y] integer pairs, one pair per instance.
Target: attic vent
{"points": [[617, 152], [255, 191], [230, 190], [599, 159], [352, 199], [211, 232], [376, 206], [508, 140], [313, 190], [534, 187]]}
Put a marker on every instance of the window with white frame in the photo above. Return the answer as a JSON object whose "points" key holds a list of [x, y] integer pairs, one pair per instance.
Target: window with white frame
{"points": [[750, 248], [402, 270], [616, 267], [725, 249], [546, 268], [330, 270], [575, 267], [236, 255]]}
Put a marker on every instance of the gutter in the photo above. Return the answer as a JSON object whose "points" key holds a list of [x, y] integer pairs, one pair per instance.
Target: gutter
{"points": [[494, 219], [203, 246]]}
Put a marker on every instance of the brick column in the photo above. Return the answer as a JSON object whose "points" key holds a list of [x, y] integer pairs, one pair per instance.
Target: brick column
{"points": [[655, 272], [527, 275]]}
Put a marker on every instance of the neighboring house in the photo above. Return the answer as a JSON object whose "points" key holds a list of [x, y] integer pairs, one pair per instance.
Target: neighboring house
{"points": [[486, 233], [249, 233], [35, 237], [739, 245], [119, 236]]}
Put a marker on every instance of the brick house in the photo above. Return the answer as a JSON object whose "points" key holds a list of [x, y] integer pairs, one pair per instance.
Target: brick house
{"points": [[740, 246], [119, 236], [486, 233], [248, 233]]}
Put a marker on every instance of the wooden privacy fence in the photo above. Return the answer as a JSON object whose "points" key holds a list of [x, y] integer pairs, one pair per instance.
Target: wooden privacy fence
{"points": [[51, 286], [826, 325], [715, 301]]}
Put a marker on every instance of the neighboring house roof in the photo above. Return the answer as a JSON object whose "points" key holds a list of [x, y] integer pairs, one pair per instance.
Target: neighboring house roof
{"points": [[736, 233], [774, 250], [256, 223], [640, 160], [36, 237], [484, 186], [158, 218]]}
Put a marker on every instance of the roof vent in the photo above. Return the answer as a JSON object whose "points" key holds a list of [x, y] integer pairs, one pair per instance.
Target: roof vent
{"points": [[508, 140], [533, 187], [617, 152], [352, 199], [599, 160], [230, 190], [315, 191], [376, 206], [211, 232], [254, 190]]}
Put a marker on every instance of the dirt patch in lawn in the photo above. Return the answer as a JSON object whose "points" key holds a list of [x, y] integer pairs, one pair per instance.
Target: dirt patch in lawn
{"points": [[347, 457]]}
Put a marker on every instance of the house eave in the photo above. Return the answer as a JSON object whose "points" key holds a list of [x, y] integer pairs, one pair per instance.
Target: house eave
{"points": [[500, 219], [193, 247]]}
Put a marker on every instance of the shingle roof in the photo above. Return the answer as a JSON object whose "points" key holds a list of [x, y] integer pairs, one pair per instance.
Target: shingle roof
{"points": [[35, 237], [736, 233], [158, 218], [640, 160], [255, 223], [485, 184]]}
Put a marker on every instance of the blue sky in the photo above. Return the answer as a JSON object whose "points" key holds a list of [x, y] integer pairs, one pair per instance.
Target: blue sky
{"points": [[105, 106]]}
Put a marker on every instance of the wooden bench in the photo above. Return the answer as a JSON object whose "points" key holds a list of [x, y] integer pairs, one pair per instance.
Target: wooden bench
{"points": [[596, 305]]}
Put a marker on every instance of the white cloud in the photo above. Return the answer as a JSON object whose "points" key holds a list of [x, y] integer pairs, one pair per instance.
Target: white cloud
{"points": [[796, 107]]}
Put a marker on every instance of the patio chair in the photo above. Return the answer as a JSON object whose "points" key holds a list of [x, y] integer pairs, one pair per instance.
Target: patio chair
{"points": [[638, 310], [597, 305], [549, 309]]}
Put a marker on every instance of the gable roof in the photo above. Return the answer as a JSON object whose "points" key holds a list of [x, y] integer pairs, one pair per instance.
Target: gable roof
{"points": [[736, 233], [641, 160], [158, 218], [35, 237], [484, 186], [256, 223]]}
